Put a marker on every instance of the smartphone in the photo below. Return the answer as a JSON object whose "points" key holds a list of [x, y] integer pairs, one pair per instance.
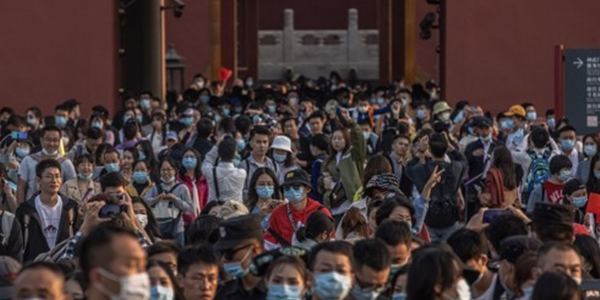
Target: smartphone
{"points": [[18, 135], [111, 211], [491, 214]]}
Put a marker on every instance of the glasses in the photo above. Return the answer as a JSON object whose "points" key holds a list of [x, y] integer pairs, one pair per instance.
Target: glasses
{"points": [[50, 177], [294, 186]]}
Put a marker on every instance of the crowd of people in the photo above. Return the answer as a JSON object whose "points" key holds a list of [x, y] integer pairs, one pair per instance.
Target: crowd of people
{"points": [[307, 189]]}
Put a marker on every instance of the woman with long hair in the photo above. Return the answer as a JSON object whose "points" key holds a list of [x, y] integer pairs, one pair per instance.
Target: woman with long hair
{"points": [[591, 144], [264, 194], [191, 175], [593, 181], [501, 187]]}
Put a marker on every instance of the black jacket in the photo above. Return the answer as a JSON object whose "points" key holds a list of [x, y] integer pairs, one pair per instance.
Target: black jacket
{"points": [[33, 235]]}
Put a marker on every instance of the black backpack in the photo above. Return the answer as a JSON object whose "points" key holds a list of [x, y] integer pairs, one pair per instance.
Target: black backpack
{"points": [[443, 208]]}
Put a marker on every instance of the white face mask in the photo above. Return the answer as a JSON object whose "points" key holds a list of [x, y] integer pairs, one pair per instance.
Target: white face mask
{"points": [[463, 291], [143, 219], [133, 287]]}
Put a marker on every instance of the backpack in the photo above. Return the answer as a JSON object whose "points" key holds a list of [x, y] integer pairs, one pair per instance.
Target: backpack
{"points": [[443, 209], [538, 171]]}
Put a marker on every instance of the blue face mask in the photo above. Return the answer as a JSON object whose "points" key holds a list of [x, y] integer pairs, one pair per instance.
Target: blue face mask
{"points": [[284, 292], [238, 109], [140, 119], [399, 296], [126, 118], [272, 109], [590, 150], [187, 121], [531, 115], [60, 121], [226, 112], [141, 155], [564, 175], [551, 122], [471, 130], [22, 152], [597, 174], [97, 125], [567, 145], [204, 99], [235, 269], [159, 292], [421, 114], [240, 145], [140, 177], [507, 124], [294, 195], [189, 162], [366, 135], [265, 191], [459, 117], [217, 118], [280, 158], [518, 136], [110, 168], [331, 286], [145, 104], [380, 101], [580, 201], [360, 293]]}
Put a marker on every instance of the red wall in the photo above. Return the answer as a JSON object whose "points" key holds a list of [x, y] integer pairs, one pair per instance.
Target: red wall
{"points": [[55, 50], [503, 53], [190, 36]]}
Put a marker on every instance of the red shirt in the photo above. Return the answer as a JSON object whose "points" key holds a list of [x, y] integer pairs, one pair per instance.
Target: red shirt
{"points": [[279, 222], [553, 192]]}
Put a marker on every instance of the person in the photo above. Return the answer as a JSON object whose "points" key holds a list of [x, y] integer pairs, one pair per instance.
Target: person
{"points": [[504, 226], [264, 195], [39, 280], [163, 285], [27, 183], [568, 142], [8, 201], [554, 222], [259, 143], [344, 166], [286, 278], [283, 155], [287, 219], [575, 194], [319, 144], [164, 252], [141, 180], [83, 187], [535, 160], [13, 156], [129, 156], [514, 124], [501, 182], [93, 138], [399, 157], [446, 198], [525, 275], [111, 161], [556, 286], [397, 239], [114, 265], [48, 218], [240, 241], [397, 289], [145, 217], [436, 273], [331, 265], [591, 144], [204, 230], [169, 200], [560, 257], [355, 226], [593, 176], [198, 272], [511, 249], [202, 141], [191, 176], [318, 229], [471, 247], [224, 180], [11, 237], [371, 269], [589, 249], [550, 191]]}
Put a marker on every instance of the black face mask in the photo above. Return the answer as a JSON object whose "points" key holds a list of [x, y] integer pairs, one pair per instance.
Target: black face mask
{"points": [[129, 131]]}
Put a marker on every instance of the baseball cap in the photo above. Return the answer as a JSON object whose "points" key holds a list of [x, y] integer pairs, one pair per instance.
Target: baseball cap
{"points": [[296, 176], [572, 186], [237, 231], [511, 248], [516, 110]]}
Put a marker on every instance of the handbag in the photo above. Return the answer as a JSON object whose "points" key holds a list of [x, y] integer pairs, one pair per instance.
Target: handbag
{"points": [[337, 195]]}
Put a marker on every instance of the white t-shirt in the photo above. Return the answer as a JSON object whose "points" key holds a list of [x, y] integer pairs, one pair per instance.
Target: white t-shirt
{"points": [[489, 294], [50, 217]]}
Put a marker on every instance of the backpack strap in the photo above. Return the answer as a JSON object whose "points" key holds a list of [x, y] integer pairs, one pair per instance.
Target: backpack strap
{"points": [[283, 242], [71, 215], [216, 183], [26, 219]]}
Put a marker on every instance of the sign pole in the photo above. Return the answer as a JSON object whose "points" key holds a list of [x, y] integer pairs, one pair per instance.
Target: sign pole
{"points": [[559, 88]]}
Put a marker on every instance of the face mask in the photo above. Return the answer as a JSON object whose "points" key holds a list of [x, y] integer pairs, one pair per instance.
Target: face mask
{"points": [[141, 156], [204, 99], [249, 83], [190, 162], [459, 117], [22, 152], [265, 192], [360, 293], [111, 168], [404, 102], [279, 158], [133, 287], [564, 175], [159, 292], [294, 101], [143, 219], [294, 195], [567, 145], [366, 135], [518, 135], [394, 269], [256, 119], [380, 101], [240, 145], [145, 104], [486, 138], [187, 121], [272, 109], [580, 201], [284, 292], [238, 109], [85, 177], [168, 180], [331, 286], [200, 83], [97, 125], [363, 109], [463, 290], [421, 114], [551, 122], [217, 118], [48, 153], [235, 269], [139, 119], [507, 124], [226, 112], [126, 118], [444, 117], [399, 296], [140, 177], [590, 150], [597, 174], [32, 121], [531, 116], [60, 121]]}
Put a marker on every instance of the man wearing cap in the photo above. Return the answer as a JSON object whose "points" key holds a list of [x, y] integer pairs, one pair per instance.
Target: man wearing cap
{"points": [[240, 241], [479, 154], [514, 124], [287, 219]]}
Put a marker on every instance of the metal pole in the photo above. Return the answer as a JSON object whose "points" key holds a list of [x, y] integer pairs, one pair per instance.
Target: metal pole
{"points": [[559, 81]]}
